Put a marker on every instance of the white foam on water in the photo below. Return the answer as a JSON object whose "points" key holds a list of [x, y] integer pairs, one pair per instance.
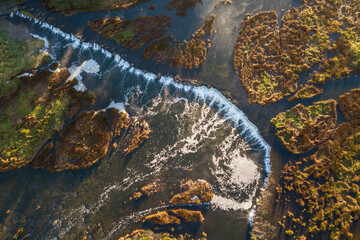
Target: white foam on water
{"points": [[236, 164], [252, 215], [127, 220], [24, 75], [227, 204], [133, 178], [77, 215], [241, 172], [202, 127], [46, 42], [234, 172], [89, 66], [106, 53], [75, 72], [120, 106], [198, 125]]}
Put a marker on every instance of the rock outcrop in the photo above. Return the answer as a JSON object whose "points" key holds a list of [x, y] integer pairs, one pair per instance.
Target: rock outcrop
{"points": [[133, 33], [324, 187], [70, 7], [35, 114], [301, 128], [149, 31], [188, 215], [174, 217], [163, 218], [147, 190], [89, 137], [349, 104], [308, 91], [39, 111], [269, 60], [193, 193], [141, 234]]}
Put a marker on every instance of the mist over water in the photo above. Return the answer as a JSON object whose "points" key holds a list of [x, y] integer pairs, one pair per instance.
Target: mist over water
{"points": [[197, 134]]}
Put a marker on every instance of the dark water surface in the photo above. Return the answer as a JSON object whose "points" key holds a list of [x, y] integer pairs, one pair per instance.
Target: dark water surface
{"points": [[198, 133]]}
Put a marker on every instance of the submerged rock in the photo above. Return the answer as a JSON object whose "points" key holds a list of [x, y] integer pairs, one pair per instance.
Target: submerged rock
{"points": [[308, 91], [162, 218], [182, 6], [302, 128], [193, 193], [147, 190], [159, 49], [173, 217]]}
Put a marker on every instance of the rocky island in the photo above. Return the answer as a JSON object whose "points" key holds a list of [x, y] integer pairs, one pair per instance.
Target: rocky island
{"points": [[37, 106], [325, 187], [138, 32], [269, 60], [302, 128]]}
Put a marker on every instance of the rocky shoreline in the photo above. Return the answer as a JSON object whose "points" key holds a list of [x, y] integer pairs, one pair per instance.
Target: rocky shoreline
{"points": [[148, 32], [317, 196], [269, 60], [261, 69], [38, 105]]}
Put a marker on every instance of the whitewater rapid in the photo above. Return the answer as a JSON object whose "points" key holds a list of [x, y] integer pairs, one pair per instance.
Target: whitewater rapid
{"points": [[229, 111], [207, 124]]}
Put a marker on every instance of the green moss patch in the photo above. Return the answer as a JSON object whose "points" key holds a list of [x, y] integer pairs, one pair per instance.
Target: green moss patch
{"points": [[308, 91], [30, 119], [302, 128], [17, 57], [149, 31]]}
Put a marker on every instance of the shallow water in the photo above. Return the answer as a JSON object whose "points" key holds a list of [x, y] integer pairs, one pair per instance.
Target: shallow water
{"points": [[198, 134]]}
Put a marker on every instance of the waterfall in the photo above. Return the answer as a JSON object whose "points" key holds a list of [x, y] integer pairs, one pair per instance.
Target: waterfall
{"points": [[188, 93], [228, 110]]}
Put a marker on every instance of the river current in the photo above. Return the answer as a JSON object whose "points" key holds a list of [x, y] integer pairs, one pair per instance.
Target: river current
{"points": [[197, 134]]}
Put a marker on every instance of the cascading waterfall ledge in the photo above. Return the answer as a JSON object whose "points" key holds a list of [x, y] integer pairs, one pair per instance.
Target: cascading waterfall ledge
{"points": [[211, 96]]}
